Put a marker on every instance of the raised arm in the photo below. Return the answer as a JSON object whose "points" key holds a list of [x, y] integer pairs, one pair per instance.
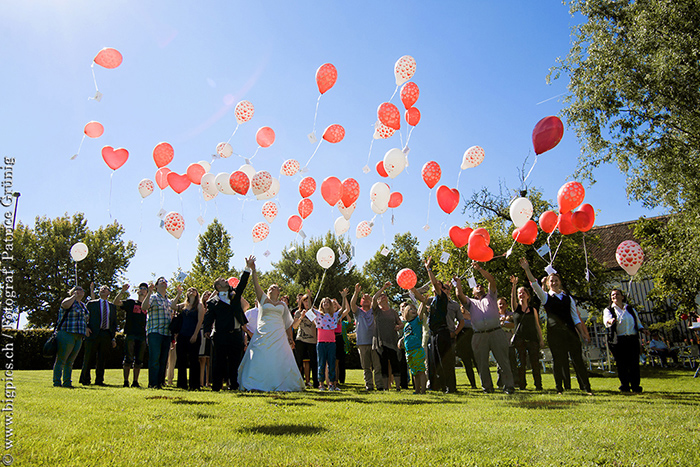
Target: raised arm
{"points": [[345, 308], [433, 279], [513, 294], [123, 293], [147, 299], [535, 285], [419, 296], [459, 291], [174, 304], [375, 304], [256, 284], [488, 276], [353, 300]]}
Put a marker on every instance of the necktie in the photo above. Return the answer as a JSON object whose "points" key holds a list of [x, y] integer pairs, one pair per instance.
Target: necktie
{"points": [[103, 322]]}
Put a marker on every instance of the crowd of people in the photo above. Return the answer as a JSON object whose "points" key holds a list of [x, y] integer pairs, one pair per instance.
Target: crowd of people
{"points": [[222, 342]]}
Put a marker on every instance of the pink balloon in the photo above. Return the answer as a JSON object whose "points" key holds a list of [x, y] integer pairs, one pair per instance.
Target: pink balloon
{"points": [[108, 58], [178, 183], [305, 207], [174, 223], [412, 116], [307, 187], [389, 115], [334, 134], [395, 200], [265, 137], [332, 190], [406, 278], [244, 111], [93, 129], [409, 94], [114, 158], [239, 182], [163, 154], [260, 231], [326, 76], [162, 177], [351, 191], [195, 172], [294, 223], [431, 173]]}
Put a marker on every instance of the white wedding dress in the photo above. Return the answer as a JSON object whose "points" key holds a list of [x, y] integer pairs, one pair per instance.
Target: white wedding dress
{"points": [[268, 363]]}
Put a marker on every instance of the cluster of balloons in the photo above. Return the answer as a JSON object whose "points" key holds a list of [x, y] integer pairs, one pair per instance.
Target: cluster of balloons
{"points": [[477, 241]]}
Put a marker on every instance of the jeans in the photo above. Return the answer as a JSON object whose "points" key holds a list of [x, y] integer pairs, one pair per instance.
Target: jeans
{"points": [[326, 354], [158, 348], [69, 344]]}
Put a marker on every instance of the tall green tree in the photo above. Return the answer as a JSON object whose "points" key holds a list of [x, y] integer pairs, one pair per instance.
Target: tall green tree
{"points": [[634, 100], [403, 253], [43, 271], [213, 258]]}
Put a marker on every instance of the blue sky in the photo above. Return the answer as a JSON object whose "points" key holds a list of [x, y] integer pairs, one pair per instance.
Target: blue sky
{"points": [[481, 69]]}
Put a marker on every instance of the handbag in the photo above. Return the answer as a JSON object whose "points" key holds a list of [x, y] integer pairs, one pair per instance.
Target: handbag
{"points": [[51, 345]]}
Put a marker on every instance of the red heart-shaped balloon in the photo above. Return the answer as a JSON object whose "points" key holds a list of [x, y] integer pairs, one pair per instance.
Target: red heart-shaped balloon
{"points": [[448, 198], [584, 218], [566, 227], [177, 182], [478, 250], [114, 158], [481, 232], [460, 236], [526, 234]]}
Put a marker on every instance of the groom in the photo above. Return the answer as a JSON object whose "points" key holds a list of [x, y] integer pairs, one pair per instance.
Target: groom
{"points": [[224, 308]]}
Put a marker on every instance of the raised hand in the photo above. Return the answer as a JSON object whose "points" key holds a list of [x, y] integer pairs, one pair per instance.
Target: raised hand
{"points": [[358, 288], [513, 280], [125, 288], [250, 262], [429, 262], [344, 292], [523, 263]]}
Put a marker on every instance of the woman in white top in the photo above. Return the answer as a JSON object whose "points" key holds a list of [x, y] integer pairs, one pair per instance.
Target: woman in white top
{"points": [[623, 322], [268, 363]]}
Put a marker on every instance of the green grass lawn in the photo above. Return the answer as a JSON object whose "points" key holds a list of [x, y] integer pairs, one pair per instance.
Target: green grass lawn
{"points": [[123, 426]]}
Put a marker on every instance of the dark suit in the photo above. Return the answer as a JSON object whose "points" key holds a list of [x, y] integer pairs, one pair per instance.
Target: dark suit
{"points": [[227, 340], [99, 342]]}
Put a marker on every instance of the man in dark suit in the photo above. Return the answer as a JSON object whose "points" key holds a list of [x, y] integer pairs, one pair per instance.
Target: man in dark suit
{"points": [[101, 328], [224, 310]]}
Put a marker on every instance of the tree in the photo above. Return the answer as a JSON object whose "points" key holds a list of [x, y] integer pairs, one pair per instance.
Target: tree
{"points": [[635, 95], [42, 269], [404, 253], [213, 258]]}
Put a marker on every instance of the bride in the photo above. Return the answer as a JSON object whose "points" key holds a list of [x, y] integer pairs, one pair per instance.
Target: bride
{"points": [[268, 363]]}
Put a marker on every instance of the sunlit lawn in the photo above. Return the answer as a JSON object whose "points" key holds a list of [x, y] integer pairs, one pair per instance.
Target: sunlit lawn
{"points": [[125, 426]]}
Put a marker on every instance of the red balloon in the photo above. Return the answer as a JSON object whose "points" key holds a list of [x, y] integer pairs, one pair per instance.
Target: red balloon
{"points": [[527, 234], [108, 58], [239, 182], [412, 116], [389, 115], [163, 154], [460, 236], [547, 134], [114, 158], [233, 281], [448, 198], [332, 190], [395, 199], [380, 169], [409, 94], [406, 278], [481, 232], [307, 186], [478, 249], [177, 182], [265, 136], [334, 133], [566, 227], [93, 129], [326, 76], [548, 221], [431, 173], [351, 191], [584, 218], [570, 195], [162, 177], [195, 173], [294, 223], [305, 207]]}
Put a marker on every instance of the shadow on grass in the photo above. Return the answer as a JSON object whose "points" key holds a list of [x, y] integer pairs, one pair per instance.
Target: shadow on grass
{"points": [[544, 404], [290, 403], [186, 402], [284, 430]]}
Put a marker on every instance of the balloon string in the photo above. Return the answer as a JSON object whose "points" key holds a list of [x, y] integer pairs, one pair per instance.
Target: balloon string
{"points": [[255, 153], [427, 220], [141, 224], [383, 232], [79, 147], [313, 305], [401, 140], [178, 253], [557, 251], [530, 171], [312, 155], [585, 253], [370, 151], [94, 80], [234, 132], [459, 175], [109, 208], [313, 131], [409, 137], [395, 90]]}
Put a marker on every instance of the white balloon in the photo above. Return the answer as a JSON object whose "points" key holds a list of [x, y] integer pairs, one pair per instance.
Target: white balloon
{"points": [[208, 184], [206, 165], [325, 257], [380, 193], [261, 182], [394, 162], [341, 225], [520, 211], [79, 251], [224, 150], [272, 192], [346, 211], [363, 229], [473, 157], [209, 196], [222, 183], [379, 208], [145, 187], [247, 169], [269, 211]]}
